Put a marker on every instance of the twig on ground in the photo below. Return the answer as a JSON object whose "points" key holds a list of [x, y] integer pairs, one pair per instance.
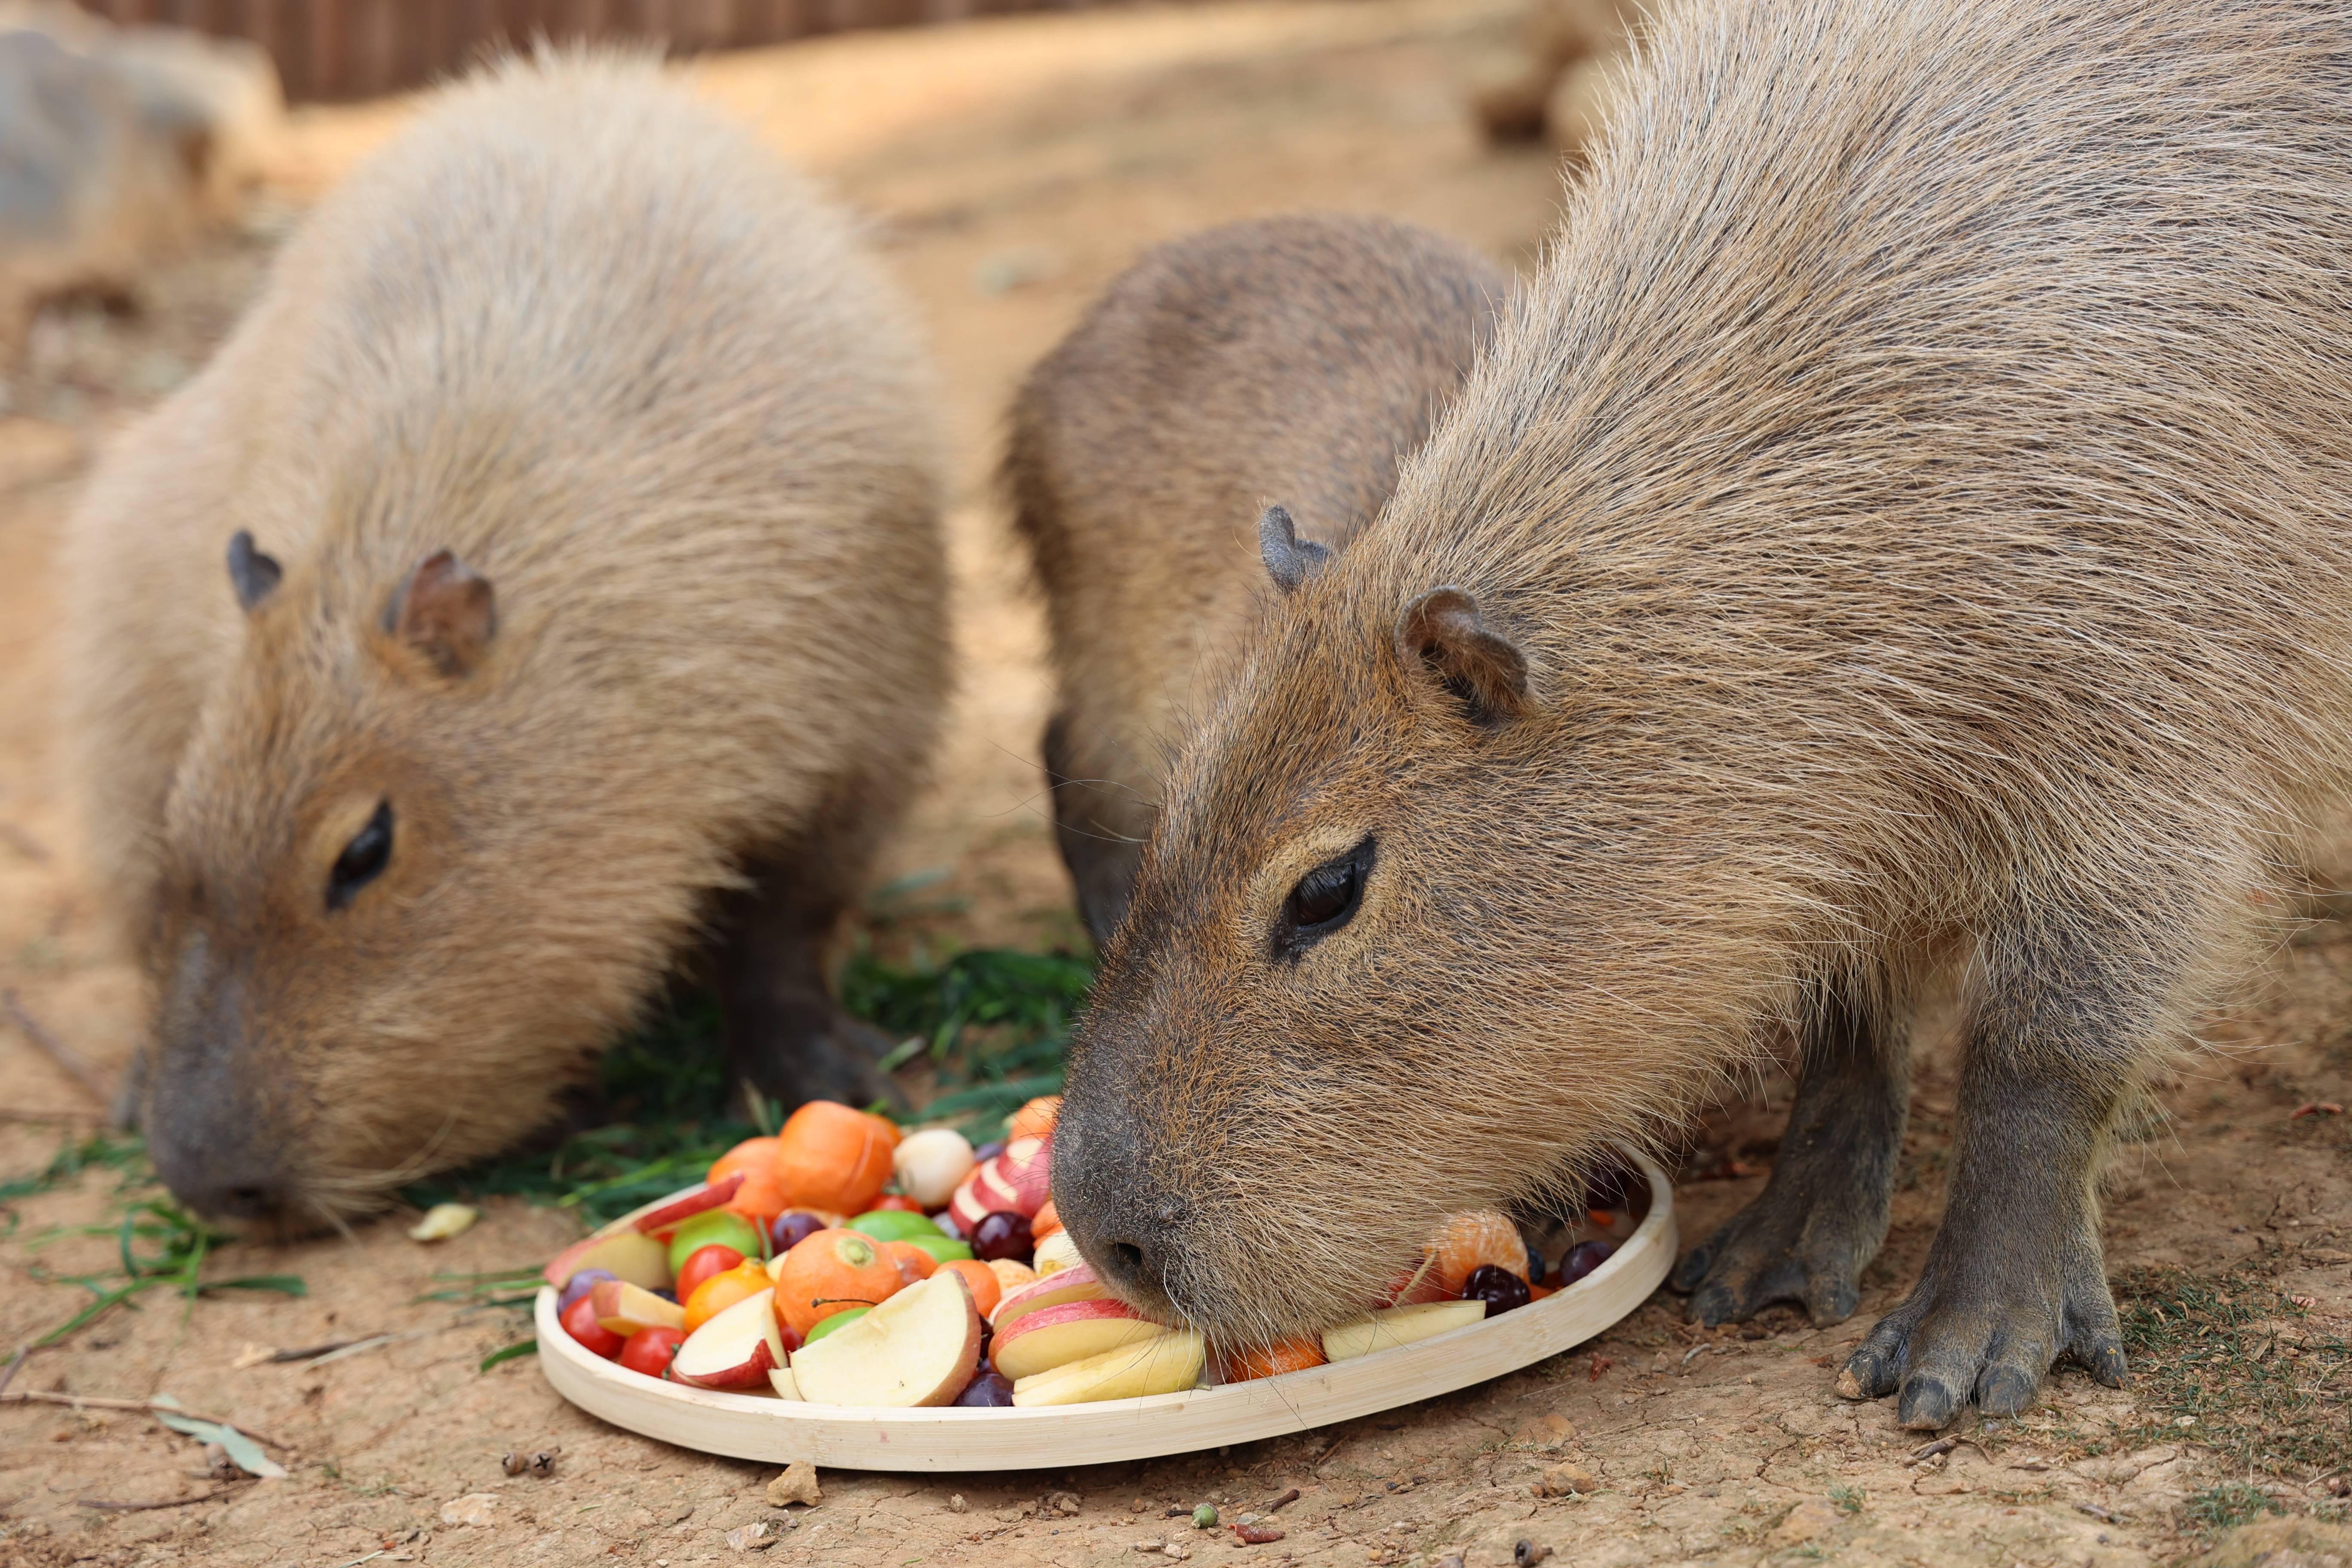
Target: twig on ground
{"points": [[2096, 1511], [77, 1067], [166, 1502], [94, 1402], [15, 1361]]}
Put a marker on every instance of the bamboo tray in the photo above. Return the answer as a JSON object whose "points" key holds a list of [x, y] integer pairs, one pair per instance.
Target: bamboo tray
{"points": [[755, 1426]]}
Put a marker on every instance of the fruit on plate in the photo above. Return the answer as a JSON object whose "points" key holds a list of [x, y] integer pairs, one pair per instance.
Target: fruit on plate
{"points": [[930, 1165], [712, 1227], [831, 1156], [580, 1321], [1045, 1221], [1582, 1259], [792, 1228], [943, 1249], [1019, 1180], [1465, 1241], [989, 1391], [736, 1348], [700, 1264], [831, 1272], [629, 1255], [759, 1198], [720, 1291], [1002, 1234], [838, 1321], [1398, 1326], [711, 1197], [1168, 1364], [1269, 1361], [892, 1225], [1037, 1119], [898, 1200], [624, 1308], [780, 1378], [1049, 1337], [979, 1278], [914, 1264], [587, 1279], [1054, 1253], [650, 1350], [1009, 1274], [919, 1348], [1047, 1290], [1502, 1291]]}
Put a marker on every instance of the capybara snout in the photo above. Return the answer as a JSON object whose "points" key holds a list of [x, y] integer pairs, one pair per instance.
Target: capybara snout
{"points": [[543, 584]]}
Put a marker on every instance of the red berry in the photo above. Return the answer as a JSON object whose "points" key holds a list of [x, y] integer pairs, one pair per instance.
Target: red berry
{"points": [[898, 1200], [581, 1323], [701, 1264], [1501, 1290], [649, 1351]]}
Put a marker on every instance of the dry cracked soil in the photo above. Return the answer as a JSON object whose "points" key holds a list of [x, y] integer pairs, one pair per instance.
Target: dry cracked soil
{"points": [[1011, 168]]}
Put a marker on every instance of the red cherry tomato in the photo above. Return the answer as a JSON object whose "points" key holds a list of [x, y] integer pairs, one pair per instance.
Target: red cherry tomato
{"points": [[649, 1350], [581, 1323], [898, 1200], [701, 1264]]}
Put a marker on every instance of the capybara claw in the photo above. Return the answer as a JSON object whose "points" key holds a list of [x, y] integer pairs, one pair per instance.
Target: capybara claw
{"points": [[1927, 1406]]}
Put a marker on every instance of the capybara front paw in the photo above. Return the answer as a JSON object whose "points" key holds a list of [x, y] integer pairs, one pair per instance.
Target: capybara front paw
{"points": [[1986, 1338], [1805, 1238]]}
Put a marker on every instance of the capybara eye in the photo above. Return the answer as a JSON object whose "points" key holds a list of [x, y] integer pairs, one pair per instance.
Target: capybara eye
{"points": [[362, 859], [1323, 900]]}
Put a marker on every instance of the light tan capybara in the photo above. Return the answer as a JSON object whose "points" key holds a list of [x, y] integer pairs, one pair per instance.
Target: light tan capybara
{"points": [[1904, 531], [546, 574], [1288, 362]]}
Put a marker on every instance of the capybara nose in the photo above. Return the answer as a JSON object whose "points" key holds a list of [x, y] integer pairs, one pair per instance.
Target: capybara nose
{"points": [[1137, 1267], [219, 1179], [1124, 1224]]}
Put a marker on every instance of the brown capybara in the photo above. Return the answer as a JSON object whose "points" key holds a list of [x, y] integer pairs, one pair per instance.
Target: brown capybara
{"points": [[1288, 363], [547, 572], [1904, 532]]}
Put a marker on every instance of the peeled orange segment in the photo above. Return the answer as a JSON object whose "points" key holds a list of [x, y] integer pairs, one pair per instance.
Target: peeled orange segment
{"points": [[1400, 1326], [1464, 1241], [1168, 1364]]}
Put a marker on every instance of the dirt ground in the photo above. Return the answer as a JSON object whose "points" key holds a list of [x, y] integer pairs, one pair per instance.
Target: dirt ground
{"points": [[1010, 168]]}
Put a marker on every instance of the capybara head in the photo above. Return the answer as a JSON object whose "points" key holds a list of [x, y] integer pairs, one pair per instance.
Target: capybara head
{"points": [[353, 947]]}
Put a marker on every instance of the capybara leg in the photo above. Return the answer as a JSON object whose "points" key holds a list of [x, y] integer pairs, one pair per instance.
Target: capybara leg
{"points": [[1098, 844], [785, 1034], [1822, 1215], [2014, 1279]]}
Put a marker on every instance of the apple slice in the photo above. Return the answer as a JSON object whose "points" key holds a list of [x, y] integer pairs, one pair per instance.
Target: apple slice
{"points": [[1026, 1169], [735, 1349], [622, 1308], [628, 1254], [920, 1347], [1399, 1326], [1056, 1336], [780, 1378], [1069, 1285], [1168, 1363], [1056, 1254], [713, 1197]]}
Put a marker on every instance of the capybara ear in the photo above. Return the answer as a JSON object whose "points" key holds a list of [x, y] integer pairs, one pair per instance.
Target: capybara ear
{"points": [[1440, 636], [251, 572], [445, 609], [1289, 558]]}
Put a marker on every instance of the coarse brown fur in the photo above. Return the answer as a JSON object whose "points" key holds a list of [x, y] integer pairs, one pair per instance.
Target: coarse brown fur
{"points": [[578, 330], [1904, 528], [1290, 360]]}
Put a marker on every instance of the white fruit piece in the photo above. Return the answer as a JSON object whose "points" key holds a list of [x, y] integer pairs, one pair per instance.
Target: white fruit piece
{"points": [[920, 1347], [1167, 1364], [1056, 1336], [625, 1255], [1056, 1253], [780, 1378], [624, 1308], [931, 1164], [1069, 1285], [1400, 1326], [737, 1348]]}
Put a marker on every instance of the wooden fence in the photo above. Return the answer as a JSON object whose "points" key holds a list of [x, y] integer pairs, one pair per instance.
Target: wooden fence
{"points": [[355, 49]]}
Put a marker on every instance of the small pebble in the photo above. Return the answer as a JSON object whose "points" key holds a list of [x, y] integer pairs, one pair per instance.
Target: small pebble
{"points": [[1526, 1554]]}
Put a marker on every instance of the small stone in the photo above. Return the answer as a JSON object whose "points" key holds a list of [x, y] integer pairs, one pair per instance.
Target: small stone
{"points": [[957, 1505], [1176, 1549], [1803, 1522], [755, 1537], [1063, 1503], [443, 1221], [1526, 1554], [474, 1509], [1564, 1480], [797, 1484], [1547, 1432], [1140, 1505], [512, 1463]]}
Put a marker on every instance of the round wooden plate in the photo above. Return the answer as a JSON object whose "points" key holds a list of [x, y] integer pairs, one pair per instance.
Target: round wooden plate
{"points": [[755, 1426]]}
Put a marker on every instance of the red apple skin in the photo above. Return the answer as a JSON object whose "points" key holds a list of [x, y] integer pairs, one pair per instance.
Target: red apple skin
{"points": [[753, 1373], [1046, 1318], [1029, 1173], [1070, 1284], [574, 1258], [581, 1323], [710, 1197]]}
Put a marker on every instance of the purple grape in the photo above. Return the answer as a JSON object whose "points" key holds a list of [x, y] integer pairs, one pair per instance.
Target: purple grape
{"points": [[987, 1152], [988, 1391], [579, 1285], [1582, 1259], [1610, 1188], [793, 1228], [1501, 1290], [1002, 1234], [666, 1294], [1536, 1270]]}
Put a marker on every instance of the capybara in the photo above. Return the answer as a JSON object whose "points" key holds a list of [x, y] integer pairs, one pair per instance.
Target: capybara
{"points": [[544, 577], [1902, 533], [1287, 361]]}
